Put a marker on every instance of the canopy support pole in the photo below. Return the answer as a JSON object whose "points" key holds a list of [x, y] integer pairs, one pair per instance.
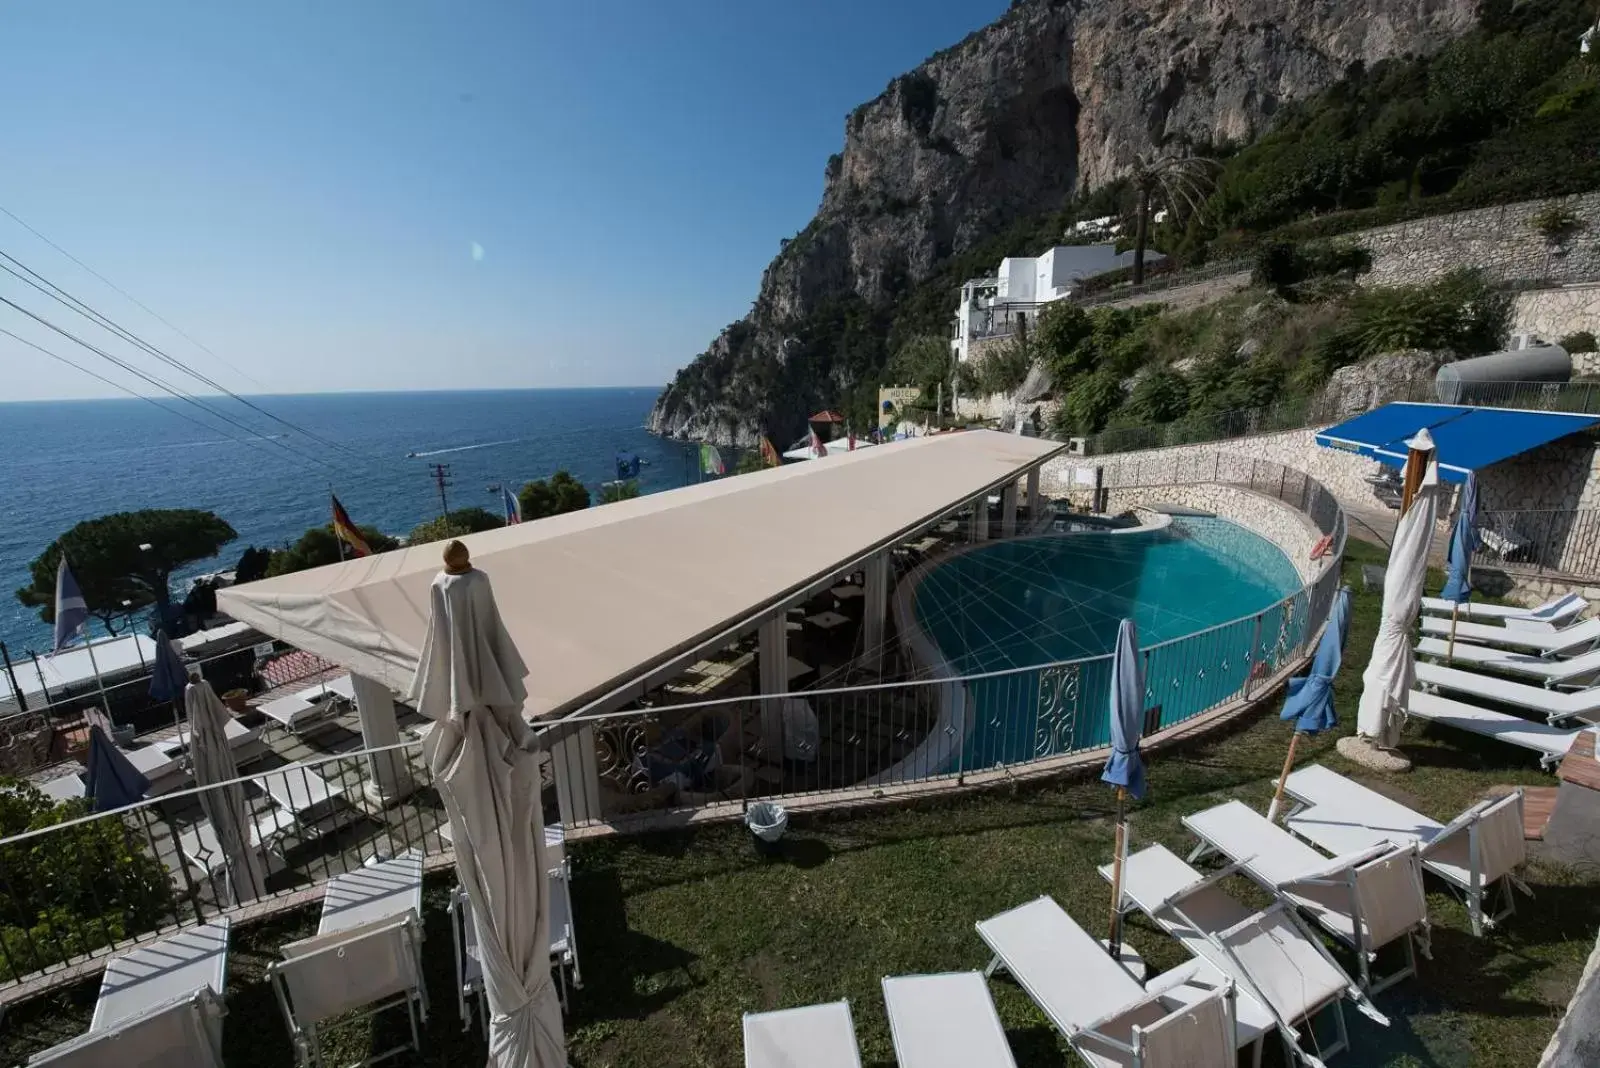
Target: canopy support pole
{"points": [[1034, 511], [876, 608], [1008, 510], [391, 776]]}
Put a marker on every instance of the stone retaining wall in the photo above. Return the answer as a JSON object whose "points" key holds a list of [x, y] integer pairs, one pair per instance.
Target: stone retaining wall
{"points": [[1554, 313], [1502, 241], [1281, 524]]}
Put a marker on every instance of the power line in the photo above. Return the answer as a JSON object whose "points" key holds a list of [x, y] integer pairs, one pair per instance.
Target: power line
{"points": [[159, 384], [136, 394], [61, 296], [131, 298]]}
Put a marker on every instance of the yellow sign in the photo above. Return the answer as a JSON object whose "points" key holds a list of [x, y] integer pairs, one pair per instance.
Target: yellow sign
{"points": [[894, 403]]}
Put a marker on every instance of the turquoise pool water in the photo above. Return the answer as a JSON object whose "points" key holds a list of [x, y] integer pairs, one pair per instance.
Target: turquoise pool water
{"points": [[1034, 601]]}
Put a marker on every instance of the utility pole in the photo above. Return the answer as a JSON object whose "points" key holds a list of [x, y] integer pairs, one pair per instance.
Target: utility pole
{"points": [[441, 475]]}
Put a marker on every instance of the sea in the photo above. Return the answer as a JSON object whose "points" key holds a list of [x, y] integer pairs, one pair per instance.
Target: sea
{"points": [[62, 462]]}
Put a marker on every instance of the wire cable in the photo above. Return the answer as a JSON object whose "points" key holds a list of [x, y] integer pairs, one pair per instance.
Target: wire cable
{"points": [[61, 296], [131, 298], [135, 393], [163, 386]]}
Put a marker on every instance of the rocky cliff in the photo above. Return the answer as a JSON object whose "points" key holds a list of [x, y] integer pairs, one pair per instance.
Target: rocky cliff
{"points": [[1009, 123]]}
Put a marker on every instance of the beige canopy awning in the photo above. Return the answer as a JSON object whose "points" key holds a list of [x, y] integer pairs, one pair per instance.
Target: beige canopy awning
{"points": [[595, 599]]}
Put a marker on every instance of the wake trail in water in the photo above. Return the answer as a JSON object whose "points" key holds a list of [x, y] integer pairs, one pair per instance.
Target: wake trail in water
{"points": [[463, 448]]}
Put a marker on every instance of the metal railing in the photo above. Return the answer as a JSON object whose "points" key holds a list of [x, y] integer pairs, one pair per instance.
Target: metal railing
{"points": [[1555, 540], [76, 883], [79, 885], [1306, 412]]}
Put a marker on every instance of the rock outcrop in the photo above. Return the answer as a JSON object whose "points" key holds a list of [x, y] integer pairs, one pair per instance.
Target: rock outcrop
{"points": [[1004, 126], [1360, 387]]}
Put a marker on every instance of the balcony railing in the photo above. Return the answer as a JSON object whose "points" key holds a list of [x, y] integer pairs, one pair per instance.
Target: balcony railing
{"points": [[1556, 541]]}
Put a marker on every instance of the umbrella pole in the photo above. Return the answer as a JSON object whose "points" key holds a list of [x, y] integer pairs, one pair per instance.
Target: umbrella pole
{"points": [[1114, 944], [1283, 777]]}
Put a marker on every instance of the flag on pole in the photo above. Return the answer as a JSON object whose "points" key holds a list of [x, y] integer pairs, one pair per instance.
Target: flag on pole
{"points": [[769, 455], [852, 439], [818, 449], [512, 505], [345, 530], [711, 461], [72, 611]]}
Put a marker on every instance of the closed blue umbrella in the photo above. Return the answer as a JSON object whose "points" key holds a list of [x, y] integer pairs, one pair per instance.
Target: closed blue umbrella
{"points": [[1310, 703], [168, 677], [1463, 543], [1125, 769], [113, 780]]}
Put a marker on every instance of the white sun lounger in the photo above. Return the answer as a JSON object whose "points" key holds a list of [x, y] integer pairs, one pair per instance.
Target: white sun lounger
{"points": [[1550, 672], [182, 1032], [159, 1005], [295, 713], [1088, 996], [1547, 642], [469, 963], [945, 1021], [68, 787], [1555, 705], [1365, 899], [815, 1036], [317, 805], [1476, 850], [1551, 615], [1549, 743], [1271, 955]]}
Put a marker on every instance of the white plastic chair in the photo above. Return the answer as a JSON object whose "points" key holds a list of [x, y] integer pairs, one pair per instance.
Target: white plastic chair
{"points": [[1547, 642], [1551, 615], [1554, 705], [359, 970], [1549, 672]]}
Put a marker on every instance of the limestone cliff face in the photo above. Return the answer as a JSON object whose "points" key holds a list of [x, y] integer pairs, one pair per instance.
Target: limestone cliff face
{"points": [[1007, 124]]}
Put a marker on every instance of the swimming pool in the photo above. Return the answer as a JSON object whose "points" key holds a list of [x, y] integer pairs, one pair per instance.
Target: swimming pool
{"points": [[1040, 601]]}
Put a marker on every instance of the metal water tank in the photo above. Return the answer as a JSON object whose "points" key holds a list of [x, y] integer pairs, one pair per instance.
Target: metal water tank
{"points": [[1494, 378]]}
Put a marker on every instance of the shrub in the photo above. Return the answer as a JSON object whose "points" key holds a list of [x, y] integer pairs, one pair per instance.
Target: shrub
{"points": [[1582, 341], [1282, 264], [72, 890], [1159, 397], [1461, 312], [1091, 400], [1003, 367], [1555, 223]]}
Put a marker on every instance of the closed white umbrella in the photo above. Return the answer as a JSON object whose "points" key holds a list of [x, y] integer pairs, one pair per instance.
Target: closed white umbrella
{"points": [[224, 806], [481, 753], [1391, 672]]}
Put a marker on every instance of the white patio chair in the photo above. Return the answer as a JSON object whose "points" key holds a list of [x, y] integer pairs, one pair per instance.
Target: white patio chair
{"points": [[1549, 743], [1365, 899], [946, 1021], [358, 971], [1552, 615], [469, 965], [1271, 955], [1550, 672], [1086, 994], [1546, 642], [317, 804], [185, 1032], [816, 1036], [1478, 850]]}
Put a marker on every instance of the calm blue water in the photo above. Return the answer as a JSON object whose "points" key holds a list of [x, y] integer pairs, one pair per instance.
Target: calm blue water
{"points": [[66, 461], [1038, 601]]}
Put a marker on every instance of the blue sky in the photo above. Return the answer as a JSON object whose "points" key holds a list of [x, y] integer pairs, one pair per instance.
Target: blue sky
{"points": [[301, 186]]}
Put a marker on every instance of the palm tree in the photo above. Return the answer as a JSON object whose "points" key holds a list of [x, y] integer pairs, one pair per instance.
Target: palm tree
{"points": [[1177, 181]]}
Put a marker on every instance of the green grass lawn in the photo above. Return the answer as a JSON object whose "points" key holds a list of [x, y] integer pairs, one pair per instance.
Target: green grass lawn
{"points": [[682, 933]]}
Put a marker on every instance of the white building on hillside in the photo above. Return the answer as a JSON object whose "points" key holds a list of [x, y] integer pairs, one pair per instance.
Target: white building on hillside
{"points": [[1022, 285]]}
